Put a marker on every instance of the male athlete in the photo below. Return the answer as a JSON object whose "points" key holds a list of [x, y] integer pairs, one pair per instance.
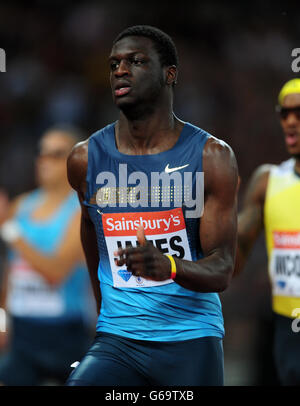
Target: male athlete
{"points": [[272, 202], [165, 236]]}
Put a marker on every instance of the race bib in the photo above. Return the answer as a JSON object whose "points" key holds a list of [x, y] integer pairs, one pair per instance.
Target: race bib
{"points": [[285, 264], [29, 294], [164, 229]]}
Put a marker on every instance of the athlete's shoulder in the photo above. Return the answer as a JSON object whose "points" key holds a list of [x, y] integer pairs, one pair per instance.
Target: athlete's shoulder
{"points": [[285, 167], [213, 147], [82, 147], [258, 183], [77, 163], [17, 202], [219, 165], [263, 171], [216, 145], [218, 154], [196, 132], [103, 132], [24, 201], [79, 153]]}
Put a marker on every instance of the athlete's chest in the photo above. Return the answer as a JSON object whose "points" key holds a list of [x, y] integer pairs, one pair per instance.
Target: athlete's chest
{"points": [[126, 187], [282, 207]]}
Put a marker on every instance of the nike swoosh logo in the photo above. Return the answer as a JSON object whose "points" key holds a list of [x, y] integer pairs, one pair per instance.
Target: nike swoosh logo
{"points": [[169, 170]]}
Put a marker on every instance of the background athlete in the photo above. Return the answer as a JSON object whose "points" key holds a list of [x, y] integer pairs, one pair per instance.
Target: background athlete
{"points": [[46, 291], [160, 321], [272, 202]]}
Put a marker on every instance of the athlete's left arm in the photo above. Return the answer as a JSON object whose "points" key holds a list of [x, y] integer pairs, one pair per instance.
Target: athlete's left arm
{"points": [[218, 231], [55, 268], [218, 225]]}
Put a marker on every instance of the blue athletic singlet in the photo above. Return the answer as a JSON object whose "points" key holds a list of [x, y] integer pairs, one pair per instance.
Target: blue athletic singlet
{"points": [[30, 296], [164, 192]]}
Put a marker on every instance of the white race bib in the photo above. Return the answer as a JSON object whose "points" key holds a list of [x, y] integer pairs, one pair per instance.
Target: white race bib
{"points": [[165, 229], [285, 264], [29, 295]]}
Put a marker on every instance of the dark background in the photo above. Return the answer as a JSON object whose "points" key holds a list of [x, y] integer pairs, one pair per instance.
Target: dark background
{"points": [[234, 58]]}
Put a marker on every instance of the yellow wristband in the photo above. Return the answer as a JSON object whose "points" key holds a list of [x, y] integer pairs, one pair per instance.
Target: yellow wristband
{"points": [[173, 266]]}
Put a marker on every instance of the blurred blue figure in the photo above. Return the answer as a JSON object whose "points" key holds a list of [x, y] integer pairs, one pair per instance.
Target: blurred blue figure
{"points": [[46, 290]]}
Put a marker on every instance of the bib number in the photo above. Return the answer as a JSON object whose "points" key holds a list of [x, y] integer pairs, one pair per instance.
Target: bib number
{"points": [[30, 295], [165, 230], [285, 264]]}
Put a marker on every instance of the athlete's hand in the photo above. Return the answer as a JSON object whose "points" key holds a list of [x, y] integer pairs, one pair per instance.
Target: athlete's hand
{"points": [[145, 260]]}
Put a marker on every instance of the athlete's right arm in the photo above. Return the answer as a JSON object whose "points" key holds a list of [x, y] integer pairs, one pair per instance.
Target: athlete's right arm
{"points": [[76, 169], [251, 217]]}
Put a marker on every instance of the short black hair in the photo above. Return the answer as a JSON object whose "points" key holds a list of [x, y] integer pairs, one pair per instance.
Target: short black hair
{"points": [[163, 43]]}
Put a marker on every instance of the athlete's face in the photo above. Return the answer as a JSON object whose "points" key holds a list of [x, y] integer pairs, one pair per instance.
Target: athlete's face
{"points": [[52, 158], [290, 122], [136, 74]]}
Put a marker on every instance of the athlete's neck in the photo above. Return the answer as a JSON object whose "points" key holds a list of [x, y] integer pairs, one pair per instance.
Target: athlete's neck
{"points": [[150, 135]]}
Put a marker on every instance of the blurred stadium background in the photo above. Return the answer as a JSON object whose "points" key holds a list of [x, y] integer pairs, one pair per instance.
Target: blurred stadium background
{"points": [[233, 60]]}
